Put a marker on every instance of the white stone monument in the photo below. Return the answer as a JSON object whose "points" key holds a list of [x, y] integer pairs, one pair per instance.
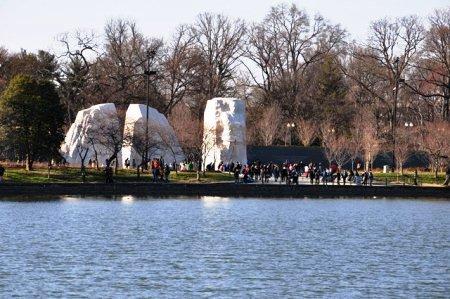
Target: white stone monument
{"points": [[82, 139], [224, 132], [162, 141]]}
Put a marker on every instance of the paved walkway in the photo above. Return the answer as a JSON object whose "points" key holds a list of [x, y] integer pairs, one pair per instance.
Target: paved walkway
{"points": [[306, 181]]}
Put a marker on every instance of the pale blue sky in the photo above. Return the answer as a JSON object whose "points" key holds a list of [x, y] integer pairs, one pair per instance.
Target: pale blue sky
{"points": [[34, 24]]}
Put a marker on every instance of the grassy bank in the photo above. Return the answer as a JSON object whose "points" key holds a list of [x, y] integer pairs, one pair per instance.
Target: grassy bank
{"points": [[424, 178], [73, 175]]}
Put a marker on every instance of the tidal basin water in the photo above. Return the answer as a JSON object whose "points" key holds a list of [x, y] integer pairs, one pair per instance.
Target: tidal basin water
{"points": [[223, 247]]}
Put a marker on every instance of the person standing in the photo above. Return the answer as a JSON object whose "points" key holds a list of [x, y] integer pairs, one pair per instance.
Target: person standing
{"points": [[365, 178], [294, 176], [447, 175], [344, 176], [351, 176], [166, 173], [155, 169], [236, 174], [276, 173], [370, 178], [2, 173], [338, 176], [108, 174]]}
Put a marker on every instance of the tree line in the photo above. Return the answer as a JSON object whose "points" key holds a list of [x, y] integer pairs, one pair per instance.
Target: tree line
{"points": [[289, 67]]}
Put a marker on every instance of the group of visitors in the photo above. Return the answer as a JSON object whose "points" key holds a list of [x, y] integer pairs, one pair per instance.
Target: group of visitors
{"points": [[289, 173], [160, 170], [334, 174], [187, 166]]}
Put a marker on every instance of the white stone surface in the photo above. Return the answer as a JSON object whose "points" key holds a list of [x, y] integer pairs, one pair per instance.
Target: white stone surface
{"points": [[86, 128], [224, 132], [163, 142]]}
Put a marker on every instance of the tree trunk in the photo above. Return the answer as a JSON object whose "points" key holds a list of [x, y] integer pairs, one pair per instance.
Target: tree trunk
{"points": [[96, 157], [28, 163], [445, 106], [436, 169], [83, 172], [49, 166]]}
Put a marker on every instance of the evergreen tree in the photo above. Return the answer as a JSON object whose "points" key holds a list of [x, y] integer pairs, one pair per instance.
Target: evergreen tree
{"points": [[330, 103], [31, 119]]}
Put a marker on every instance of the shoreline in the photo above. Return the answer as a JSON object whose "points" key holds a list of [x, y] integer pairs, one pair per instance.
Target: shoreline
{"points": [[220, 189]]}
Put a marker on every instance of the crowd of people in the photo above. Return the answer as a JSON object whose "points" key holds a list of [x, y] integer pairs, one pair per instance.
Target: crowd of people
{"points": [[257, 172], [290, 173]]}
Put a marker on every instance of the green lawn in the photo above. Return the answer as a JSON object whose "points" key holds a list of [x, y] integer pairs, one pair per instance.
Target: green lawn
{"points": [[424, 178], [73, 175]]}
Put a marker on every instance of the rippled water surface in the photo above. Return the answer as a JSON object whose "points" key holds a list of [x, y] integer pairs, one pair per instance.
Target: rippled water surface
{"points": [[224, 248]]}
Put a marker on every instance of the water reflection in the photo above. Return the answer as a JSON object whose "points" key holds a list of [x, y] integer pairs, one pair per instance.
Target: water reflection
{"points": [[127, 199], [70, 198], [214, 201], [224, 247]]}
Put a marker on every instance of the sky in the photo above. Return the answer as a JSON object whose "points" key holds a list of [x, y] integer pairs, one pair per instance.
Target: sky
{"points": [[35, 24]]}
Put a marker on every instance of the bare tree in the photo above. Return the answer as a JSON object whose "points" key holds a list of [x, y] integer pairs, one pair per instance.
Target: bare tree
{"points": [[379, 67], [370, 144], [83, 150], [336, 147], [120, 70], [306, 131], [209, 144], [405, 146], [75, 77], [169, 144], [145, 143], [179, 63], [218, 42], [435, 142], [109, 136], [282, 47], [269, 124], [355, 142], [432, 78], [188, 129], [196, 141]]}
